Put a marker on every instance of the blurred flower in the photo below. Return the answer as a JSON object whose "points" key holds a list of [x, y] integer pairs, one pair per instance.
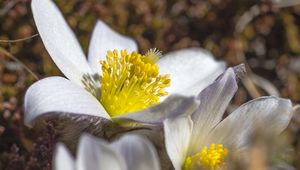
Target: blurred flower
{"points": [[204, 140], [130, 152], [128, 82]]}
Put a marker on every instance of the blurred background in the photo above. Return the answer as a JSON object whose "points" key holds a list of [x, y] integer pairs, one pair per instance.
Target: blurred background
{"points": [[264, 35]]}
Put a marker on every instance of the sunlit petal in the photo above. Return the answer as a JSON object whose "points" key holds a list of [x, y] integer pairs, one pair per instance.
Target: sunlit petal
{"points": [[104, 39], [138, 153], [191, 70], [236, 130], [63, 160], [213, 102], [94, 153], [177, 137], [59, 40], [57, 94]]}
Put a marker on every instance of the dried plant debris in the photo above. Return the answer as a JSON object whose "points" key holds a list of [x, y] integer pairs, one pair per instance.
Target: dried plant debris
{"points": [[266, 39]]}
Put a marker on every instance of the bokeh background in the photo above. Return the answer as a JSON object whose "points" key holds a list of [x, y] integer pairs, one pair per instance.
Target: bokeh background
{"points": [[264, 35]]}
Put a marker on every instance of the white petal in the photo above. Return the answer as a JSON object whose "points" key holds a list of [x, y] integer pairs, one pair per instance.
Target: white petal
{"points": [[104, 39], [235, 131], [59, 40], [57, 94], [177, 137], [63, 160], [172, 107], [95, 154], [191, 70], [138, 153], [213, 102]]}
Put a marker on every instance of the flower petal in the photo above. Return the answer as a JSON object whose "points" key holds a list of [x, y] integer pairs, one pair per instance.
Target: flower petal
{"points": [[138, 153], [57, 94], [172, 107], [213, 102], [191, 70], [104, 39], [59, 40], [94, 153], [177, 137], [235, 130], [63, 160]]}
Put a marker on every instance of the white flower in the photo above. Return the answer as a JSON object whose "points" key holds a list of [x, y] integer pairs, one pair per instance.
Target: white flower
{"points": [[190, 71], [130, 152], [204, 140]]}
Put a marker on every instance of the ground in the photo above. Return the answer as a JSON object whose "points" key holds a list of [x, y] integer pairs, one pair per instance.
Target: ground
{"points": [[261, 34]]}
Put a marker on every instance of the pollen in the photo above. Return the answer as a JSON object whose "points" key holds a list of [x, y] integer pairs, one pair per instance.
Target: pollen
{"points": [[131, 81], [210, 158]]}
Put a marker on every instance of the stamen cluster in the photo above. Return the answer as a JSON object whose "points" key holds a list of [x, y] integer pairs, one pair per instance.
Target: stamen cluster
{"points": [[129, 82], [211, 158]]}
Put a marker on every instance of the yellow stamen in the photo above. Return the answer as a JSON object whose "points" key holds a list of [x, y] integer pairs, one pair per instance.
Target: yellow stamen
{"points": [[152, 55], [211, 158], [130, 82]]}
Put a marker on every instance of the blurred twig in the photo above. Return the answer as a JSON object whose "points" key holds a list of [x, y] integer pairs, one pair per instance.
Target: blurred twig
{"points": [[19, 40], [285, 3], [246, 18], [242, 22], [296, 113], [5, 52], [265, 84], [251, 80], [8, 6]]}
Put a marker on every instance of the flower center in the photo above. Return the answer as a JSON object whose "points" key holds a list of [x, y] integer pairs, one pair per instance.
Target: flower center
{"points": [[131, 81], [211, 158]]}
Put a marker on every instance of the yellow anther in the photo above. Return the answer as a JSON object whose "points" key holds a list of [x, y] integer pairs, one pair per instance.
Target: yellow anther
{"points": [[131, 81], [210, 158]]}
